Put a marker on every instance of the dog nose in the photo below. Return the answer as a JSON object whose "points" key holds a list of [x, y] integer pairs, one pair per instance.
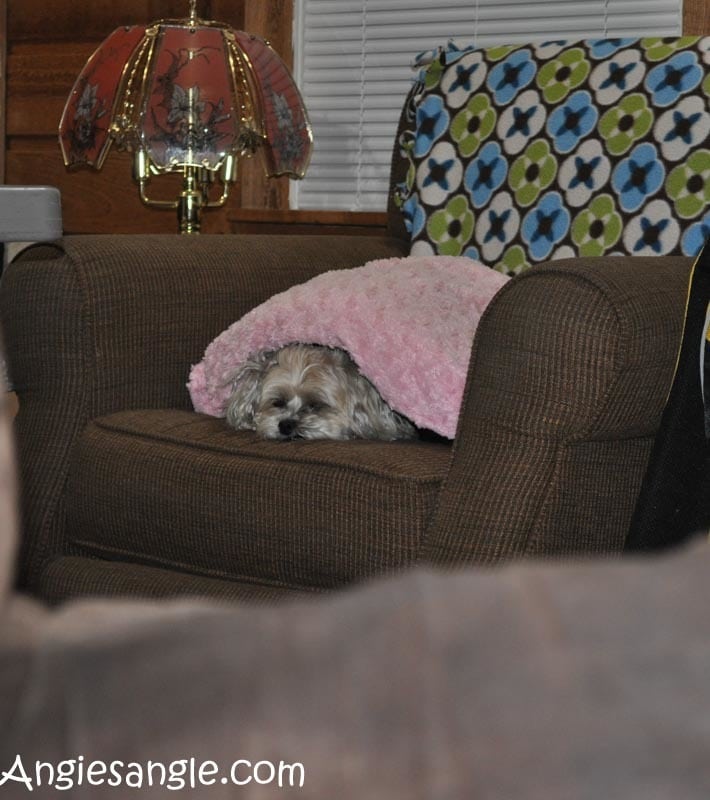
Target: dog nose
{"points": [[287, 427]]}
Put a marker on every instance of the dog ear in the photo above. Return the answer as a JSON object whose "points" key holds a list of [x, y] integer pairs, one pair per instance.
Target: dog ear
{"points": [[246, 390]]}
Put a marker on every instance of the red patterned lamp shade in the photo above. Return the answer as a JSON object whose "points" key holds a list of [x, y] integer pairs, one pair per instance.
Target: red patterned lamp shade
{"points": [[186, 96]]}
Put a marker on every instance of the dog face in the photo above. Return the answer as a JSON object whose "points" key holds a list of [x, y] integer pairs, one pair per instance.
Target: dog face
{"points": [[311, 392]]}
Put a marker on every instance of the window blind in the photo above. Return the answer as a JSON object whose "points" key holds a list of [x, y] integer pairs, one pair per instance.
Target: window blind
{"points": [[353, 64]]}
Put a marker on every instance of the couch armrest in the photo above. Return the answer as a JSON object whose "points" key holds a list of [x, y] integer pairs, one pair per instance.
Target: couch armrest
{"points": [[105, 323], [570, 371]]}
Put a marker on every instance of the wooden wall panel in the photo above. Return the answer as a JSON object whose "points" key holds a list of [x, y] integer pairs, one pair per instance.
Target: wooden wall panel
{"points": [[38, 76], [3, 51], [696, 17], [63, 20], [273, 20]]}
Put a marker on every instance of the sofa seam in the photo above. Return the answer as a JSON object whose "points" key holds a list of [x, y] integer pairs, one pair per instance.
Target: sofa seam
{"points": [[222, 451], [142, 559]]}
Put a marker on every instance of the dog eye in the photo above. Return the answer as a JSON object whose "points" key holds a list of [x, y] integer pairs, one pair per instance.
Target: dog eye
{"points": [[315, 407], [279, 403]]}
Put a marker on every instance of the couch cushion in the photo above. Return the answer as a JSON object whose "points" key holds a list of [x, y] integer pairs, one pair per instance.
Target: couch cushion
{"points": [[182, 490], [528, 152]]}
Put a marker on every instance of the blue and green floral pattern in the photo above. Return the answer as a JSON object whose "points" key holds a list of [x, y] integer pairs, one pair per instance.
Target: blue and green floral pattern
{"points": [[522, 153]]}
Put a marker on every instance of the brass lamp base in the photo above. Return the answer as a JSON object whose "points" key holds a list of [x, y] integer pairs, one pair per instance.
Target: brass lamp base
{"points": [[189, 206], [196, 188]]}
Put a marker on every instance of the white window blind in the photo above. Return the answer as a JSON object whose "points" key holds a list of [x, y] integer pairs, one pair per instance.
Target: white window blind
{"points": [[353, 64]]}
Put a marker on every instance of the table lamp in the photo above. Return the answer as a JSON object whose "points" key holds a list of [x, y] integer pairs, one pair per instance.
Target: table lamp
{"points": [[186, 96]]}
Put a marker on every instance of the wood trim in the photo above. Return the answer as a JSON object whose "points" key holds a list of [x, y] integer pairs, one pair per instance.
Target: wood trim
{"points": [[696, 17], [283, 221], [304, 216]]}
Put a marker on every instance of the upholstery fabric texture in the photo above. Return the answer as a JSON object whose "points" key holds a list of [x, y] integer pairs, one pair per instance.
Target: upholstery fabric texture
{"points": [[100, 577], [564, 420], [183, 491], [519, 154]]}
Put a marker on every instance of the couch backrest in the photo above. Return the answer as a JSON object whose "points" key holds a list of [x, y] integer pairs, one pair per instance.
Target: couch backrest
{"points": [[515, 155]]}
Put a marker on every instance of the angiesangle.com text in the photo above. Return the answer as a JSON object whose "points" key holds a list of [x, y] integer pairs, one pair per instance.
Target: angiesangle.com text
{"points": [[184, 773]]}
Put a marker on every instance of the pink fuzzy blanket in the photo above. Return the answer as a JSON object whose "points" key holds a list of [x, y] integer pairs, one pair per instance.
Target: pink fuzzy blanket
{"points": [[408, 324]]}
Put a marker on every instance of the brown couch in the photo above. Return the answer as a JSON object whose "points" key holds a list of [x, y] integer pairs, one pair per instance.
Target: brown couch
{"points": [[125, 490]]}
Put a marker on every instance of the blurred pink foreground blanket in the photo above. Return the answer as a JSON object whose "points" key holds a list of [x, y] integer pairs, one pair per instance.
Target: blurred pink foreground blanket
{"points": [[408, 323]]}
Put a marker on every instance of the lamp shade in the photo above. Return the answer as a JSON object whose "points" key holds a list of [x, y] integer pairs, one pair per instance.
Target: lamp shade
{"points": [[85, 127], [186, 93]]}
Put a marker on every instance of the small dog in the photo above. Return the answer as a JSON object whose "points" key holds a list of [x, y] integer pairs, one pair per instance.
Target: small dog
{"points": [[311, 392]]}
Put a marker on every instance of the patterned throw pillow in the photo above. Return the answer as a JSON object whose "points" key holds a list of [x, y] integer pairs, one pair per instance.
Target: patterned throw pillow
{"points": [[525, 153]]}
